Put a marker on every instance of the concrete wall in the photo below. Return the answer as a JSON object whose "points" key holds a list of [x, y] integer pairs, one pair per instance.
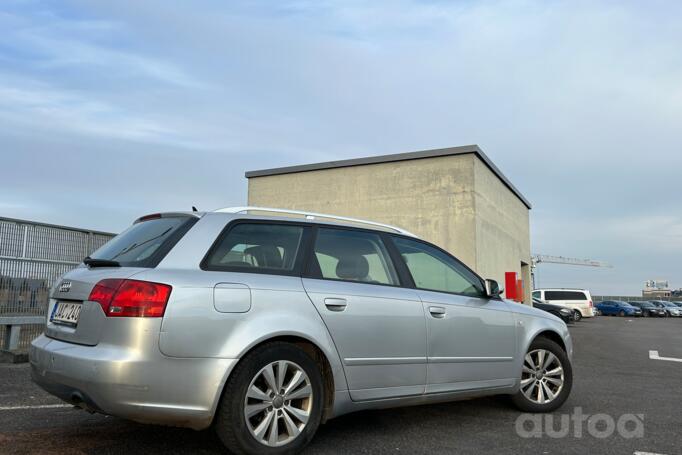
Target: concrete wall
{"points": [[432, 198], [502, 229], [453, 201]]}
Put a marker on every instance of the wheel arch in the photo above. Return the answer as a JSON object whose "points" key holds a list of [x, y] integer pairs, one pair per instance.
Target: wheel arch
{"points": [[552, 336], [309, 347], [545, 332]]}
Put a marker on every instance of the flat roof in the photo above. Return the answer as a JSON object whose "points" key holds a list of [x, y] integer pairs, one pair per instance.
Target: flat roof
{"points": [[449, 151]]}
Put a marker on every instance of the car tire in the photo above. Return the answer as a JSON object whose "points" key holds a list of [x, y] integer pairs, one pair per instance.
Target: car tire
{"points": [[645, 314], [522, 399], [578, 316], [240, 434], [621, 313]]}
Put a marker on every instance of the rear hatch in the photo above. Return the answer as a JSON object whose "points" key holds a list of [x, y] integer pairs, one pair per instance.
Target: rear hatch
{"points": [[72, 316]]}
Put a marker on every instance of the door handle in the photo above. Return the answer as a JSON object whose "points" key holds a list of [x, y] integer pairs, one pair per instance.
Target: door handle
{"points": [[437, 311], [335, 304]]}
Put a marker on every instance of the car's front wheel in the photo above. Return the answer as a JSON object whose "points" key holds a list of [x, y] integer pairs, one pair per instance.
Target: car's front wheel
{"points": [[546, 378], [272, 403]]}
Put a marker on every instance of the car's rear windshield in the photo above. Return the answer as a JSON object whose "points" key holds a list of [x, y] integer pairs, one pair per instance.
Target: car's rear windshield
{"points": [[145, 243]]}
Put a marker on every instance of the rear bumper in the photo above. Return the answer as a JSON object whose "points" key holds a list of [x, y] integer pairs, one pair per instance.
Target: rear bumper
{"points": [[587, 312], [136, 384]]}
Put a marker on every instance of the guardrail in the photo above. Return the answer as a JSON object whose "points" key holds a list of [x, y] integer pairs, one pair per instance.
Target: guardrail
{"points": [[10, 327], [32, 256]]}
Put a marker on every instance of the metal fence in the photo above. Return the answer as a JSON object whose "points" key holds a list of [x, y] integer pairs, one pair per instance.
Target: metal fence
{"points": [[625, 298], [32, 256]]}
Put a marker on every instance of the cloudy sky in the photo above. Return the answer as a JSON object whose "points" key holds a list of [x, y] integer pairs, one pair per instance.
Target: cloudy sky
{"points": [[109, 110]]}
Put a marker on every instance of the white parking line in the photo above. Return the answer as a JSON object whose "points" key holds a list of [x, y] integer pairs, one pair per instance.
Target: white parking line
{"points": [[653, 355], [40, 406], [647, 453]]}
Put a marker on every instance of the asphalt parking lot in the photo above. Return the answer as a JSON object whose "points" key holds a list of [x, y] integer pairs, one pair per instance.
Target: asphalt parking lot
{"points": [[613, 372]]}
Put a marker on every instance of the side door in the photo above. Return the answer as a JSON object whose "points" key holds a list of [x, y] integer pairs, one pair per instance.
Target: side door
{"points": [[471, 340], [378, 326], [250, 275], [607, 308]]}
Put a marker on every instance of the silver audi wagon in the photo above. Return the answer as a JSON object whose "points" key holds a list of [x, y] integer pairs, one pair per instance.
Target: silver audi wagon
{"points": [[264, 323]]}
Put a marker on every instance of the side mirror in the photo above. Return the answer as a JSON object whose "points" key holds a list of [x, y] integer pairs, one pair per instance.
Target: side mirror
{"points": [[492, 289]]}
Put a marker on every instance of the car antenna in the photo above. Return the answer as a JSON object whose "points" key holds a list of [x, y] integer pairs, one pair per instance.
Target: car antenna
{"points": [[194, 209]]}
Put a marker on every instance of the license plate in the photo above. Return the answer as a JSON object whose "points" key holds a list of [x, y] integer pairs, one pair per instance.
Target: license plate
{"points": [[66, 313]]}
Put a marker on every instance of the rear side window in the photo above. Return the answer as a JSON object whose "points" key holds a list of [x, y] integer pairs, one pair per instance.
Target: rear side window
{"points": [[537, 294], [145, 243], [352, 256], [565, 295], [257, 247]]}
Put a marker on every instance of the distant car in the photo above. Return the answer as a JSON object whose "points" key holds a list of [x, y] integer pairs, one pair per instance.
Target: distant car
{"points": [[580, 299], [563, 313], [679, 304], [670, 308], [649, 309], [618, 308]]}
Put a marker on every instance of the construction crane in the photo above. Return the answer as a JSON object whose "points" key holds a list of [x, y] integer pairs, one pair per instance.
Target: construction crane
{"points": [[540, 258]]}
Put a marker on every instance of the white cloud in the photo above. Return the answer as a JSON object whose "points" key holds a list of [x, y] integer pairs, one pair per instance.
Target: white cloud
{"points": [[40, 107], [578, 103]]}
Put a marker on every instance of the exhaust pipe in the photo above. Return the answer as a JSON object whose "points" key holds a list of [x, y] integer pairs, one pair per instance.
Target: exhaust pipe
{"points": [[78, 401]]}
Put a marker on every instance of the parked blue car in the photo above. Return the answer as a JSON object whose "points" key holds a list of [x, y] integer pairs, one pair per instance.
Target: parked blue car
{"points": [[618, 308]]}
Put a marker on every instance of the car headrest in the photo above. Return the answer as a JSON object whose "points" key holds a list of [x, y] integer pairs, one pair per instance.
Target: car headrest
{"points": [[353, 267], [266, 256]]}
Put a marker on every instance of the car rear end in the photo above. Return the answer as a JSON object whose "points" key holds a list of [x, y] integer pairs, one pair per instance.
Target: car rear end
{"points": [[100, 349]]}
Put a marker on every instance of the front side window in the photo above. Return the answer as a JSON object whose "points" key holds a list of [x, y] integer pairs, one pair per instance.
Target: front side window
{"points": [[433, 270], [349, 255], [258, 247]]}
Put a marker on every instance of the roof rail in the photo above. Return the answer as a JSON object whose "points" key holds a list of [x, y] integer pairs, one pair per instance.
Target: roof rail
{"points": [[312, 216]]}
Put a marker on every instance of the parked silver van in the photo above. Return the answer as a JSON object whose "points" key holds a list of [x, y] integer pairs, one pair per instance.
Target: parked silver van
{"points": [[265, 323]]}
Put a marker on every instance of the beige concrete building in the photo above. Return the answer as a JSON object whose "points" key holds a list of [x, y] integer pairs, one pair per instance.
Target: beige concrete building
{"points": [[454, 197]]}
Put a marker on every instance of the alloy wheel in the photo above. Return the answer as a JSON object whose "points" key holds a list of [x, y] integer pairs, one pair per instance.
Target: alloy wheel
{"points": [[278, 403], [542, 376]]}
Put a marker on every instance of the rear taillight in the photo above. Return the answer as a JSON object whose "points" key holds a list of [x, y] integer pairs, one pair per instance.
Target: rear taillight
{"points": [[589, 302], [131, 298]]}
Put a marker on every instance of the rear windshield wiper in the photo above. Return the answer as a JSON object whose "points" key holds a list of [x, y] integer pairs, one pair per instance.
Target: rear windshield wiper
{"points": [[100, 262]]}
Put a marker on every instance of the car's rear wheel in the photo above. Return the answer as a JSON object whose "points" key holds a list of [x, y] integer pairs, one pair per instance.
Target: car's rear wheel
{"points": [[645, 314], [546, 377], [272, 403], [577, 316]]}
